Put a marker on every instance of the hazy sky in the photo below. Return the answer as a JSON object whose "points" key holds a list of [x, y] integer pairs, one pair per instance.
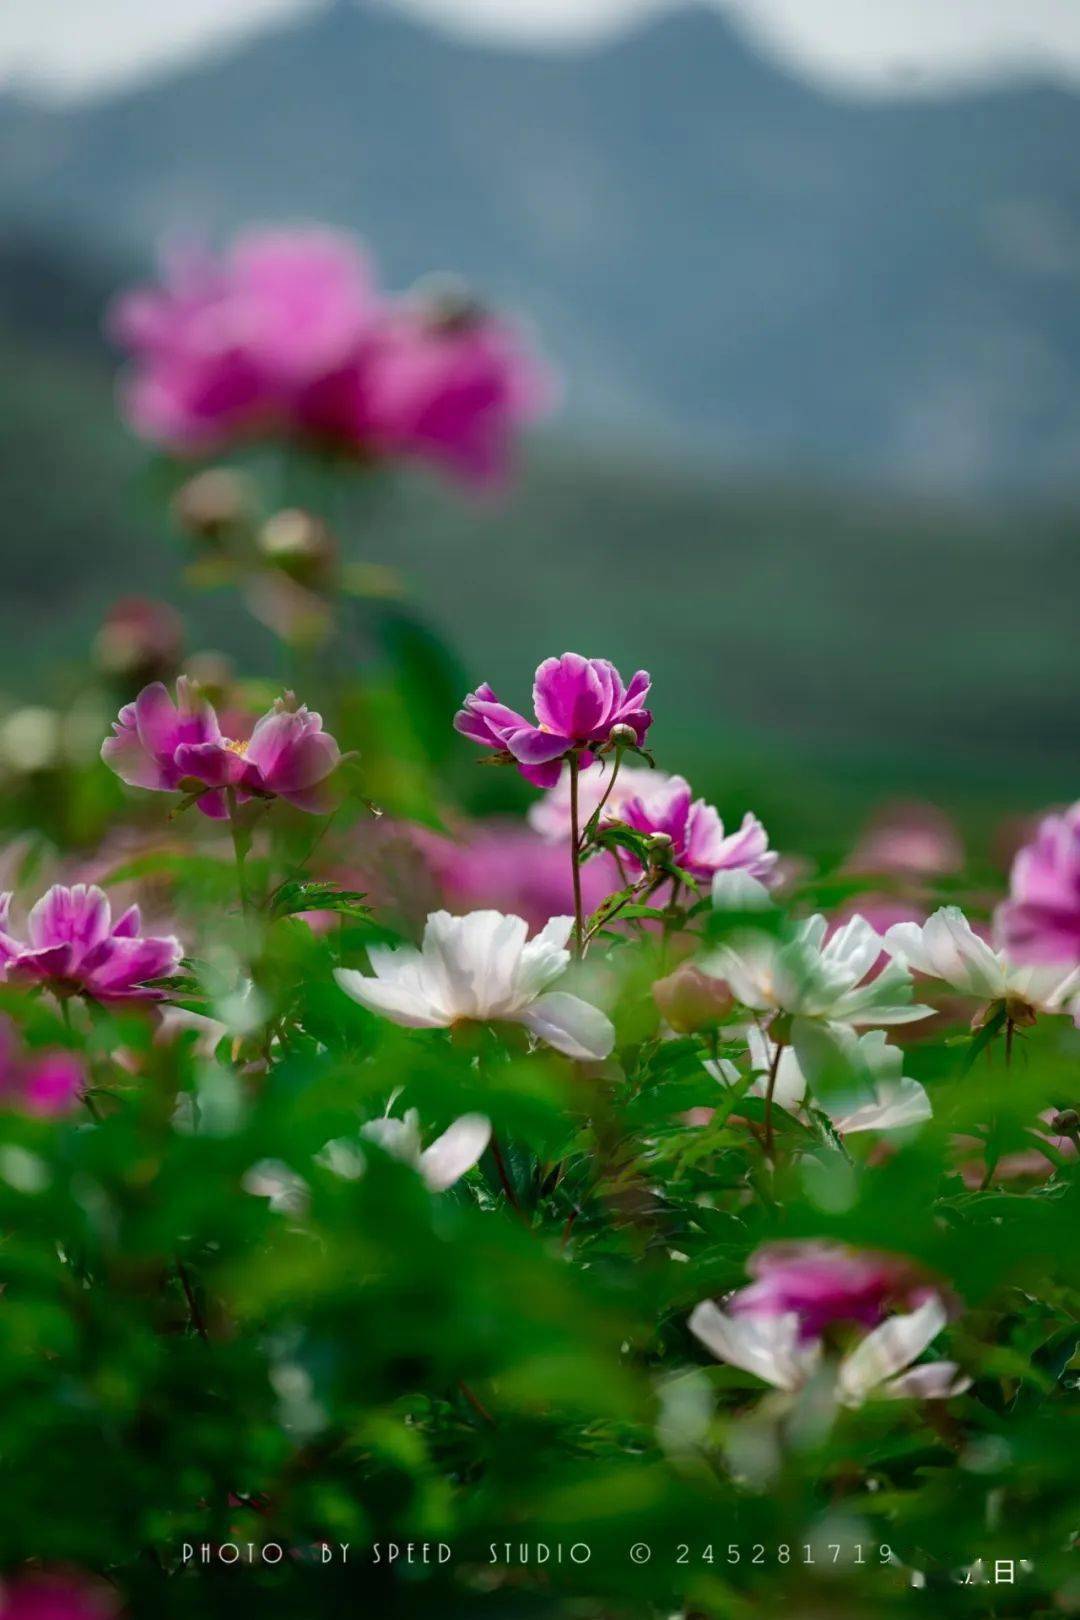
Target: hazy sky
{"points": [[73, 47]]}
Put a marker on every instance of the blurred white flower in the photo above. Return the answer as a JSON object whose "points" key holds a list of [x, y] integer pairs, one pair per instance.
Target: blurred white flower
{"points": [[873, 1095], [483, 967], [811, 979], [449, 1156], [946, 947], [880, 1365]]}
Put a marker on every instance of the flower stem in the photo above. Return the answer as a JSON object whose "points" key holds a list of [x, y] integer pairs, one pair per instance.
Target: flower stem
{"points": [[575, 851], [774, 1069], [239, 843], [504, 1177]]}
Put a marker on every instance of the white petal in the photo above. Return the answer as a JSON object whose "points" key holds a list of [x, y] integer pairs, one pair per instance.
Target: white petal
{"points": [[891, 1347], [400, 1004], [898, 1106], [455, 1151], [474, 960], [767, 1346], [570, 1025], [543, 959], [930, 1381]]}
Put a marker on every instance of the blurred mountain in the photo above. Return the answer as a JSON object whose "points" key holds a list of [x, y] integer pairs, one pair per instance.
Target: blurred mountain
{"points": [[720, 257]]}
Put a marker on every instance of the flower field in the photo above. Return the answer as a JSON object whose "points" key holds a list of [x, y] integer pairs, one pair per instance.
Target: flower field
{"points": [[446, 1167]]}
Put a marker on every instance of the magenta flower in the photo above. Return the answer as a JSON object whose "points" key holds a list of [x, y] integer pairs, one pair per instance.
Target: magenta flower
{"points": [[577, 702], [822, 1283], [450, 393], [49, 1596], [74, 947], [1040, 921], [221, 348], [43, 1083], [288, 335], [698, 841], [170, 747]]}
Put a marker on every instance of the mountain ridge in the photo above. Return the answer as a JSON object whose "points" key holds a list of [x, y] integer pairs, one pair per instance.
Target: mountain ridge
{"points": [[720, 256]]}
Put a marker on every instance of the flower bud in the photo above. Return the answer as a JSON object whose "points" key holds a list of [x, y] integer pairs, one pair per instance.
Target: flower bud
{"points": [[299, 544], [212, 503], [1067, 1123], [690, 1000], [622, 736], [140, 641], [658, 843]]}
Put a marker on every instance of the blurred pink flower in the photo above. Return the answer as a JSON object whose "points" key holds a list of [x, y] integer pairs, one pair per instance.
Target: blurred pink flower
{"points": [[287, 334], [551, 814], [1040, 921], [44, 1596], [37, 1082], [450, 393], [75, 948], [140, 640], [910, 839], [169, 747], [698, 841], [823, 1283], [510, 868], [221, 346], [577, 702]]}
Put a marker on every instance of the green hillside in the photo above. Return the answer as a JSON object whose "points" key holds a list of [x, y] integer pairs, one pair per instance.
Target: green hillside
{"points": [[862, 644]]}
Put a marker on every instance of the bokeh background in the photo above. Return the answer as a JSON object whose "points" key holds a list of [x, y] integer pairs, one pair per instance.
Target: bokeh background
{"points": [[809, 273]]}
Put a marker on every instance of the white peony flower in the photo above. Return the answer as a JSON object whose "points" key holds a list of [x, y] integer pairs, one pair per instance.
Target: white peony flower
{"points": [[880, 1366], [449, 1156], [946, 947], [811, 979], [881, 1098], [483, 967], [550, 816]]}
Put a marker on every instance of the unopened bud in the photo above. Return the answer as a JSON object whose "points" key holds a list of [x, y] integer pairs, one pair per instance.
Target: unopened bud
{"points": [[1067, 1123], [140, 641], [214, 502], [622, 736], [658, 843], [298, 543], [690, 1000], [446, 303], [213, 673]]}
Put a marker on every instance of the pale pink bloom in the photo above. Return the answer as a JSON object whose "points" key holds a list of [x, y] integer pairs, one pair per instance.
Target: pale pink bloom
{"points": [[74, 947], [176, 747], [510, 868], [578, 701], [910, 839], [1040, 921], [550, 815]]}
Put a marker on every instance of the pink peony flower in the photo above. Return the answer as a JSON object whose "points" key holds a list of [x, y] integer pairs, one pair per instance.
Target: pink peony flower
{"points": [[75, 948], [450, 393], [914, 840], [43, 1596], [43, 1083], [288, 335], [507, 867], [698, 841], [577, 703], [221, 347], [1040, 921], [171, 747], [822, 1283]]}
